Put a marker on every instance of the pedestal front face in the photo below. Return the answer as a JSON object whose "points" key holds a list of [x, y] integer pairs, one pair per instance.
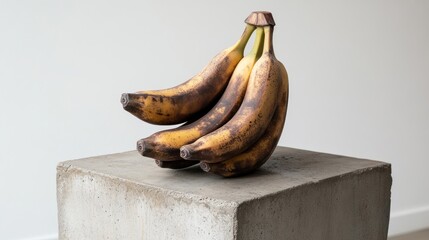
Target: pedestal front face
{"points": [[296, 195]]}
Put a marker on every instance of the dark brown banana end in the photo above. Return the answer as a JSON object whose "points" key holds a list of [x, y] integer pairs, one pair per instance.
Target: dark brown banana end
{"points": [[141, 148], [143, 106], [221, 169], [149, 149], [260, 19], [132, 104], [205, 166], [185, 153], [124, 100], [178, 164]]}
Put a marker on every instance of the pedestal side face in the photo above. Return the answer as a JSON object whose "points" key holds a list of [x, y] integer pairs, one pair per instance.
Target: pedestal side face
{"points": [[93, 206], [353, 206]]}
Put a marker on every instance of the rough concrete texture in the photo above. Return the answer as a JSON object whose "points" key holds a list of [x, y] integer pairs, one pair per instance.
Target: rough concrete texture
{"points": [[296, 195]]}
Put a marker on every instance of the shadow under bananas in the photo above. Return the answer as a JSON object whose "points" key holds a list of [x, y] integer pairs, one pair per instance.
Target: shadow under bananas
{"points": [[196, 171], [288, 159]]}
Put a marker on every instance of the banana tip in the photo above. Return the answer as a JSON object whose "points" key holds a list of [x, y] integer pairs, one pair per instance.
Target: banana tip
{"points": [[141, 146], [185, 153], [205, 167], [158, 162], [125, 99]]}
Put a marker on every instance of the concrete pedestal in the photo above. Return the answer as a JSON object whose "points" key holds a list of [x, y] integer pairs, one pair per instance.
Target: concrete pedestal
{"points": [[296, 195]]}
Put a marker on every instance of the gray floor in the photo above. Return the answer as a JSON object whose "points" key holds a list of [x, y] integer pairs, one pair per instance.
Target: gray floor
{"points": [[420, 235]]}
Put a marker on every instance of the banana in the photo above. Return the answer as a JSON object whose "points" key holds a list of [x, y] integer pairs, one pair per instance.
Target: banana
{"points": [[251, 119], [177, 164], [260, 152], [178, 104], [165, 145]]}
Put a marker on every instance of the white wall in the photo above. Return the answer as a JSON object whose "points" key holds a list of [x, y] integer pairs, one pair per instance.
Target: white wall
{"points": [[358, 75]]}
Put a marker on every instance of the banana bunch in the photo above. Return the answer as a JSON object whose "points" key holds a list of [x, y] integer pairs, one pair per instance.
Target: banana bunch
{"points": [[234, 109]]}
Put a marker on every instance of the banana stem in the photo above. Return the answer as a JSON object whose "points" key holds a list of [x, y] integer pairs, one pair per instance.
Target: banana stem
{"points": [[268, 43], [241, 44], [257, 45]]}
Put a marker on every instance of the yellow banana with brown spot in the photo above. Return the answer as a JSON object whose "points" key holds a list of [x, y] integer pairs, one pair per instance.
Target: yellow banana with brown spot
{"points": [[178, 104], [253, 116], [260, 152], [165, 145]]}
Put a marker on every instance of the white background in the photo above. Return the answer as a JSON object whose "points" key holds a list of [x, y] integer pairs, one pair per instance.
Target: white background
{"points": [[358, 83]]}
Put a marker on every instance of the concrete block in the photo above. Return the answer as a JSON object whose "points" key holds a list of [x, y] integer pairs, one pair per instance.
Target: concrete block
{"points": [[296, 195]]}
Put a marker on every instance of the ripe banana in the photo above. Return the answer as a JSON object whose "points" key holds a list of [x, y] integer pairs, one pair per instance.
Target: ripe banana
{"points": [[178, 104], [165, 145], [253, 116], [261, 151]]}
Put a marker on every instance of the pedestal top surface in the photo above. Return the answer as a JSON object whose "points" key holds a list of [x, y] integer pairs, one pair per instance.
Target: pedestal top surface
{"points": [[286, 169]]}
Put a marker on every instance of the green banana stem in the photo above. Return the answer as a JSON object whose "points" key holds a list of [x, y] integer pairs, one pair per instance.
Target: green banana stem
{"points": [[241, 44], [257, 45], [268, 43]]}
